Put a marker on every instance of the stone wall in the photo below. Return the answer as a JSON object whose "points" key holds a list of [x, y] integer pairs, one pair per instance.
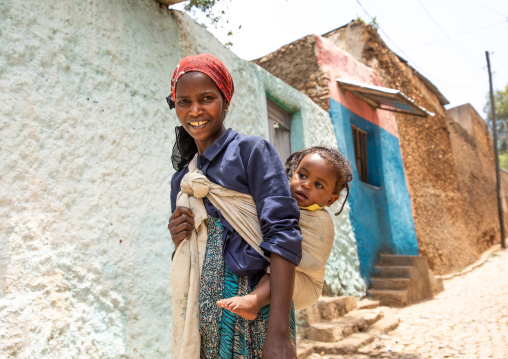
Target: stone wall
{"points": [[85, 267], [433, 170], [299, 58], [473, 153], [86, 138]]}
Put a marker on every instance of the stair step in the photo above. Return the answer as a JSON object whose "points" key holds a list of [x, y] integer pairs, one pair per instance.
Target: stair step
{"points": [[395, 272], [336, 330], [335, 307], [396, 298], [384, 325], [348, 345], [311, 349], [390, 283], [367, 304], [326, 308], [398, 260]]}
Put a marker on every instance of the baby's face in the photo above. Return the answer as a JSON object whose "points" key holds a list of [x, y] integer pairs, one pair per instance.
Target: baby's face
{"points": [[313, 182]]}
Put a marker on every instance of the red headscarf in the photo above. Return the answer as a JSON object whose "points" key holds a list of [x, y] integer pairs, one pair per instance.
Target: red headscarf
{"points": [[210, 66]]}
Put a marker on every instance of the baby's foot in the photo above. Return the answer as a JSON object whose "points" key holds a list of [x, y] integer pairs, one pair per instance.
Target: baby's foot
{"points": [[246, 306]]}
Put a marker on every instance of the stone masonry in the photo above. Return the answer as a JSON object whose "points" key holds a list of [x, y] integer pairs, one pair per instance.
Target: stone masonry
{"points": [[469, 320]]}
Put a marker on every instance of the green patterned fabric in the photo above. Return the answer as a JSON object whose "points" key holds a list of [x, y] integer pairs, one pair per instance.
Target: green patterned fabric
{"points": [[226, 335]]}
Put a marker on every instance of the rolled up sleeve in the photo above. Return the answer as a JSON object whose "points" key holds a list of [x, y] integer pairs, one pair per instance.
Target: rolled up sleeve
{"points": [[277, 211]]}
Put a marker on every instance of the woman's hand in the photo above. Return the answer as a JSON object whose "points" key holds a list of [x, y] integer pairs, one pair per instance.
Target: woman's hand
{"points": [[180, 225]]}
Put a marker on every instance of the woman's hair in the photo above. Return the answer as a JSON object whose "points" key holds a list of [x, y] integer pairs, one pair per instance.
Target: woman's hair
{"points": [[335, 158], [184, 149]]}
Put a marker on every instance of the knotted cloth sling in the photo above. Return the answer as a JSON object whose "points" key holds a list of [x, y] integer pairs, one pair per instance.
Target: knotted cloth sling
{"points": [[239, 210]]}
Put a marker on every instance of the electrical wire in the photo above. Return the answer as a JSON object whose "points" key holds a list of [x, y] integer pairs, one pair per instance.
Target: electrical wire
{"points": [[490, 9], [414, 64], [448, 37], [457, 35]]}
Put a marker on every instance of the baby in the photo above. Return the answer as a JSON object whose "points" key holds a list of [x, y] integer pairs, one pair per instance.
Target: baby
{"points": [[320, 176]]}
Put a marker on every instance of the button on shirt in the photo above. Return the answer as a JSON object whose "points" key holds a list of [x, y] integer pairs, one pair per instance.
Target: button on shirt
{"points": [[250, 164]]}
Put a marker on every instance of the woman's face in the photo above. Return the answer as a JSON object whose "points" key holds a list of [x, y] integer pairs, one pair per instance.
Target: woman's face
{"points": [[200, 107]]}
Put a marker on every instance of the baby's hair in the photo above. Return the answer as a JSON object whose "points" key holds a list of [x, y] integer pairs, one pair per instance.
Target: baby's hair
{"points": [[335, 158]]}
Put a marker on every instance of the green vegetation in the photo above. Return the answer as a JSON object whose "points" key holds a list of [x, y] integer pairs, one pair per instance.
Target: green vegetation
{"points": [[501, 106], [213, 13], [503, 160], [373, 23], [207, 8]]}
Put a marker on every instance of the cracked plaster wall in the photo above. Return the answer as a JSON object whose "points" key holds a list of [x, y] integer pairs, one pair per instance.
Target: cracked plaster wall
{"points": [[84, 184]]}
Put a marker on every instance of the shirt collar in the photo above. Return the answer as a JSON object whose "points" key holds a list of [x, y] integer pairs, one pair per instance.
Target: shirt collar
{"points": [[216, 146]]}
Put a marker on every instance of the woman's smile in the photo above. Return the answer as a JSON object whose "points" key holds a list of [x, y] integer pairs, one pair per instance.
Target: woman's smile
{"points": [[198, 123]]}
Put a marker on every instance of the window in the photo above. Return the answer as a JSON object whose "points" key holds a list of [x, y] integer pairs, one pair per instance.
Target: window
{"points": [[360, 145], [279, 125]]}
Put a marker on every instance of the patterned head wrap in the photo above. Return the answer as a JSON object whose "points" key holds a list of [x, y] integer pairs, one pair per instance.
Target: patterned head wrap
{"points": [[210, 66]]}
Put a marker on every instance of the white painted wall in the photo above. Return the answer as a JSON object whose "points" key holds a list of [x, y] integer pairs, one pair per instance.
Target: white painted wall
{"points": [[86, 139]]}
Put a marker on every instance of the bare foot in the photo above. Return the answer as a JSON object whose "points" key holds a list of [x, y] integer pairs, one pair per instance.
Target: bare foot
{"points": [[246, 306]]}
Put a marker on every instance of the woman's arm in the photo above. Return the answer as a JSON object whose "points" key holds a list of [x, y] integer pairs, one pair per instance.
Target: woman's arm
{"points": [[282, 277], [278, 216]]}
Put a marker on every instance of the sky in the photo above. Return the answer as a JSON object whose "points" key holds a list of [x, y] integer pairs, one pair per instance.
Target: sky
{"points": [[444, 40]]}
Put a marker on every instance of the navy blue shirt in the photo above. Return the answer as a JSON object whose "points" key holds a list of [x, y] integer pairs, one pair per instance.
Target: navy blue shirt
{"points": [[250, 164]]}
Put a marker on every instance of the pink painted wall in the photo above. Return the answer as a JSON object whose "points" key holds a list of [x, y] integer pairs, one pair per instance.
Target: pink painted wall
{"points": [[338, 64]]}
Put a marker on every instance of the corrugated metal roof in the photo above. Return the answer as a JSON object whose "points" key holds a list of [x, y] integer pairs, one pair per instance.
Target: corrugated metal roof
{"points": [[384, 98]]}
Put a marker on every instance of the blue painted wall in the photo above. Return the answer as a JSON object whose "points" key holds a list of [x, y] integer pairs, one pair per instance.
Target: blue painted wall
{"points": [[381, 210]]}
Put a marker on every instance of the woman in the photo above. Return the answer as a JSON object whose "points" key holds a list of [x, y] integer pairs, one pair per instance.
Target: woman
{"points": [[202, 89]]}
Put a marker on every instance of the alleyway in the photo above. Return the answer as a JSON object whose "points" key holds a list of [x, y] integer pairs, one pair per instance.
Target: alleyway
{"points": [[469, 320]]}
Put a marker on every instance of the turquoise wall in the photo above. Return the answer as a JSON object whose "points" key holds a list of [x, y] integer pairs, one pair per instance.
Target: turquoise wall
{"points": [[381, 213]]}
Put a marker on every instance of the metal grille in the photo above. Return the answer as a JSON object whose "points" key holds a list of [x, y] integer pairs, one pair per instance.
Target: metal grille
{"points": [[360, 144]]}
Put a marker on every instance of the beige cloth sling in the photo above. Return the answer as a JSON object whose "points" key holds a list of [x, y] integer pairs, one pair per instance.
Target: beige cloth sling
{"points": [[240, 211]]}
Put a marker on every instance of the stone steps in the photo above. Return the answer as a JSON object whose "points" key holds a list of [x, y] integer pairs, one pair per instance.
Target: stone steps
{"points": [[348, 345], [402, 280], [397, 260], [390, 298], [338, 329], [395, 272], [340, 325], [390, 283]]}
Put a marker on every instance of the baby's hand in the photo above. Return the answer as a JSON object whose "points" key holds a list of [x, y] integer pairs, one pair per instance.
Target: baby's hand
{"points": [[180, 225]]}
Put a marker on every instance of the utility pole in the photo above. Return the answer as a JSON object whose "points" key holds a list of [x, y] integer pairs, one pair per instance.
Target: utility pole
{"points": [[494, 134]]}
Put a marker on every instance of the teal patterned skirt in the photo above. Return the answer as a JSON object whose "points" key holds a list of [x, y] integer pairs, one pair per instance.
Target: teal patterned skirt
{"points": [[226, 335]]}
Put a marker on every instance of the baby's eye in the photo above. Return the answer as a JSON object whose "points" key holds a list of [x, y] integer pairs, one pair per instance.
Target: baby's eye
{"points": [[319, 185], [301, 176]]}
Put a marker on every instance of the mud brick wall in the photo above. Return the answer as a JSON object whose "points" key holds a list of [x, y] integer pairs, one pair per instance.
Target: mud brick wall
{"points": [[296, 65], [449, 174]]}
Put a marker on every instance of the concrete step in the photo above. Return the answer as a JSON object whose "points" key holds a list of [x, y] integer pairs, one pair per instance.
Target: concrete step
{"points": [[390, 283], [311, 349], [335, 307], [338, 329], [395, 272], [397, 260], [367, 303], [390, 298], [326, 308]]}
